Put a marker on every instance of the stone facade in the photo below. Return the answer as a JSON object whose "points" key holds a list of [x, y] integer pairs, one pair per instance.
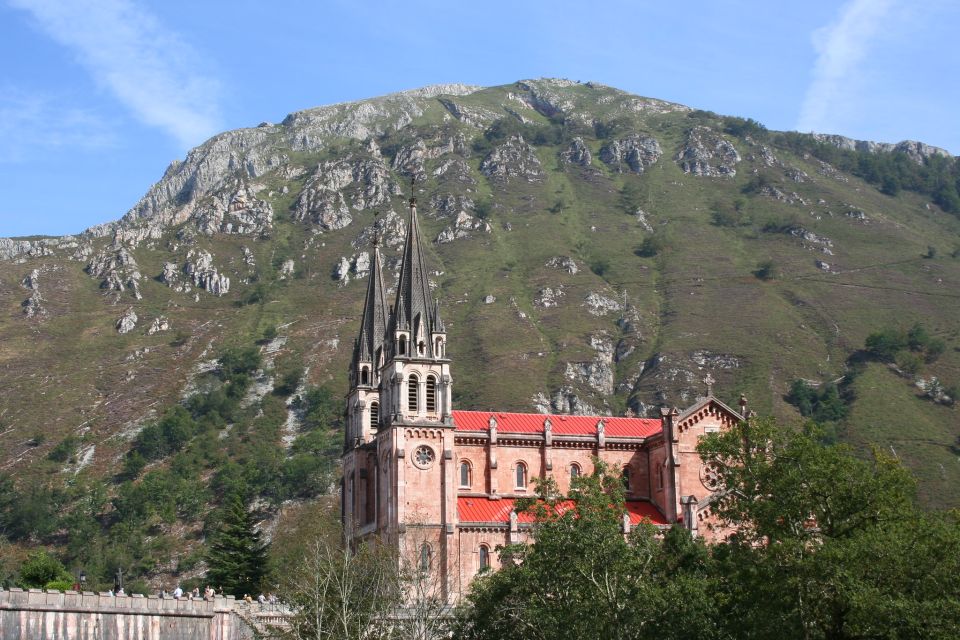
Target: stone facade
{"points": [[51, 615], [439, 484]]}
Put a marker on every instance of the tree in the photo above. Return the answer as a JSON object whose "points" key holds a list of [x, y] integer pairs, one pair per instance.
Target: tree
{"points": [[41, 569], [237, 557], [341, 595], [828, 545], [582, 578]]}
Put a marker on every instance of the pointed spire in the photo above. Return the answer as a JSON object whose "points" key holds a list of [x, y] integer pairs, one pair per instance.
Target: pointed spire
{"points": [[373, 325], [413, 310]]}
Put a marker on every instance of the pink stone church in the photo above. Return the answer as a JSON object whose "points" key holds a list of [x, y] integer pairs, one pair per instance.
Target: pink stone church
{"points": [[440, 484]]}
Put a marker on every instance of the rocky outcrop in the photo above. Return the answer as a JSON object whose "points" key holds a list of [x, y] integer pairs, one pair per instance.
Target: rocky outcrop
{"points": [[566, 263], [127, 322], [597, 374], [358, 266], [566, 400], [448, 205], [464, 226], [548, 297], [235, 210], [475, 116], [810, 240], [33, 305], [117, 270], [411, 160], [514, 158], [287, 269], [706, 153], [200, 269], [160, 323], [916, 151], [577, 153], [635, 151], [600, 305], [793, 197], [389, 228], [322, 200]]}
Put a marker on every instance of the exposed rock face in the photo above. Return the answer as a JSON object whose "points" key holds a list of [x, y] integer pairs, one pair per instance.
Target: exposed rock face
{"points": [[489, 299], [598, 373], [390, 228], [287, 269], [813, 241], [635, 151], [411, 160], [117, 269], [199, 267], [566, 400], [600, 305], [476, 116], [322, 200], [515, 158], [548, 297], [33, 306], [577, 153], [160, 323], [463, 227], [563, 262], [235, 210], [709, 360], [706, 153], [789, 198], [341, 272], [127, 322], [447, 205], [916, 151], [643, 220]]}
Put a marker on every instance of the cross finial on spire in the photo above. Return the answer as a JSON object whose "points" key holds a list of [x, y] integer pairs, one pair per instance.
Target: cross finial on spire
{"points": [[708, 380]]}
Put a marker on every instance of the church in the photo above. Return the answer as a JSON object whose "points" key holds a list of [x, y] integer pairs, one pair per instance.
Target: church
{"points": [[439, 484]]}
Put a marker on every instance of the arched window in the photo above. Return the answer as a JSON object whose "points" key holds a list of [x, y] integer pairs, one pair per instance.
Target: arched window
{"points": [[413, 385], [402, 345], [465, 474], [374, 415], [521, 475], [484, 557], [425, 557], [625, 477], [431, 394], [575, 471], [364, 376], [421, 347]]}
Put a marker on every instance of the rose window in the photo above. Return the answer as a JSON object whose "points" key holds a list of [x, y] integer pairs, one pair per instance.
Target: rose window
{"points": [[711, 476], [423, 457]]}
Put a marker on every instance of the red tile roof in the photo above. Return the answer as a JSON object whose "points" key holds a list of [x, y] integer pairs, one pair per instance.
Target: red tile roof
{"points": [[470, 509], [563, 425]]}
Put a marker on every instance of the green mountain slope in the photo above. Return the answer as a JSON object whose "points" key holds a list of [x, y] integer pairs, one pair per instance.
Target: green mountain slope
{"points": [[594, 251]]}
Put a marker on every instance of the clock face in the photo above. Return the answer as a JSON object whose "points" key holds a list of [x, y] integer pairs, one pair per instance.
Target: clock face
{"points": [[423, 457]]}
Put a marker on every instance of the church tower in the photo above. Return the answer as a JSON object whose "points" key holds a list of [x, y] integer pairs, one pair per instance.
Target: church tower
{"points": [[359, 491], [416, 439]]}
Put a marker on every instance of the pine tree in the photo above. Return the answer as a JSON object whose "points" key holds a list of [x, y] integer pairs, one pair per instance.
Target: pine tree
{"points": [[237, 556]]}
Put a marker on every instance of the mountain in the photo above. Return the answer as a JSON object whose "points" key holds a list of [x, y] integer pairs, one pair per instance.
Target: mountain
{"points": [[593, 251]]}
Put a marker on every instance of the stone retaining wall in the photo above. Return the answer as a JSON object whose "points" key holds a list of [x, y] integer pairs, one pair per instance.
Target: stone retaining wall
{"points": [[35, 614]]}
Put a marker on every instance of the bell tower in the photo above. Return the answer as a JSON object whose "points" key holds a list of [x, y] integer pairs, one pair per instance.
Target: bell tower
{"points": [[415, 382], [416, 440], [359, 491]]}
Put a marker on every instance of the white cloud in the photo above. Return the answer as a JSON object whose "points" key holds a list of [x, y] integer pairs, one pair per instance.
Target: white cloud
{"points": [[31, 123], [144, 65], [841, 48]]}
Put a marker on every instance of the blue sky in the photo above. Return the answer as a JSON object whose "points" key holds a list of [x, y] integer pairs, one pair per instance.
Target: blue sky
{"points": [[98, 96]]}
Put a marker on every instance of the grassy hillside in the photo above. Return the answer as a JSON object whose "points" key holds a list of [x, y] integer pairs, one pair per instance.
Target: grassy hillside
{"points": [[779, 272]]}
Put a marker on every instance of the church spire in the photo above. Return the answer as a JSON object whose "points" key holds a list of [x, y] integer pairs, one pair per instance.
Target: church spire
{"points": [[373, 325], [414, 309]]}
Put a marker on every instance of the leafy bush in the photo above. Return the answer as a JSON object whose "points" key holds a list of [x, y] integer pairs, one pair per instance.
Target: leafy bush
{"points": [[65, 450], [651, 246], [766, 270], [884, 345], [40, 569], [823, 404]]}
